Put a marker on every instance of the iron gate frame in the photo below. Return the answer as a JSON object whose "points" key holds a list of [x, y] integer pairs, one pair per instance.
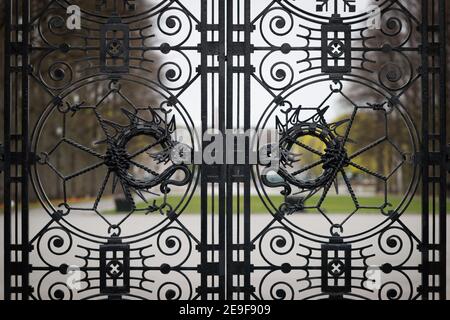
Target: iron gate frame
{"points": [[224, 49]]}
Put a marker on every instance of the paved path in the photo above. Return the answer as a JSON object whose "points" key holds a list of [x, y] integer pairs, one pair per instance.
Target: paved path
{"points": [[313, 222]]}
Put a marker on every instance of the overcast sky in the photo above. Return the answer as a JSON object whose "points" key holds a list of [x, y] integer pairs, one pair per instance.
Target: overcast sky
{"points": [[260, 98]]}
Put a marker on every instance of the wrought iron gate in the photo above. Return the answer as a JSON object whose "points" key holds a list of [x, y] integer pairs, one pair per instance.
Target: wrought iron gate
{"points": [[74, 111]]}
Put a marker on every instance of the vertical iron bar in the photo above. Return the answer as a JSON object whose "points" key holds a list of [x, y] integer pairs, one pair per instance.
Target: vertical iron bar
{"points": [[247, 126], [229, 126], [207, 181], [25, 147], [433, 143], [239, 268], [223, 168], [443, 148], [204, 183], [425, 151], [7, 155]]}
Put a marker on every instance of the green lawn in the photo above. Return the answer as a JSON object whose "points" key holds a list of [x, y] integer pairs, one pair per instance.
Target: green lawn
{"points": [[333, 204]]}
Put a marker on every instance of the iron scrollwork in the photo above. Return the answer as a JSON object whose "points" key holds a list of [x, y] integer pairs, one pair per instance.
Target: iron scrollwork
{"points": [[318, 155], [114, 94], [113, 111]]}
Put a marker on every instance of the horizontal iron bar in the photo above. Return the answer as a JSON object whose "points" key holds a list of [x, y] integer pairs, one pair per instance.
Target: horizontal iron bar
{"points": [[208, 69], [433, 268], [249, 289], [240, 268], [433, 49], [22, 290], [208, 27], [430, 289], [246, 69], [18, 268], [240, 48], [18, 158], [243, 27], [429, 247], [19, 247], [207, 290], [434, 158], [209, 268]]}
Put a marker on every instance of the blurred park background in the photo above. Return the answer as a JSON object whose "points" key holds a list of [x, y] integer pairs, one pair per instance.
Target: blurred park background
{"points": [[366, 130]]}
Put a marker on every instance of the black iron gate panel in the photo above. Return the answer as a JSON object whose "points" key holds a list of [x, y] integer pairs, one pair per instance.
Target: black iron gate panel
{"points": [[308, 58], [112, 189], [114, 84]]}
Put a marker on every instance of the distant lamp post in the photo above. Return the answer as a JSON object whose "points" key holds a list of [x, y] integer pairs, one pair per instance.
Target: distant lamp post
{"points": [[59, 133]]}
